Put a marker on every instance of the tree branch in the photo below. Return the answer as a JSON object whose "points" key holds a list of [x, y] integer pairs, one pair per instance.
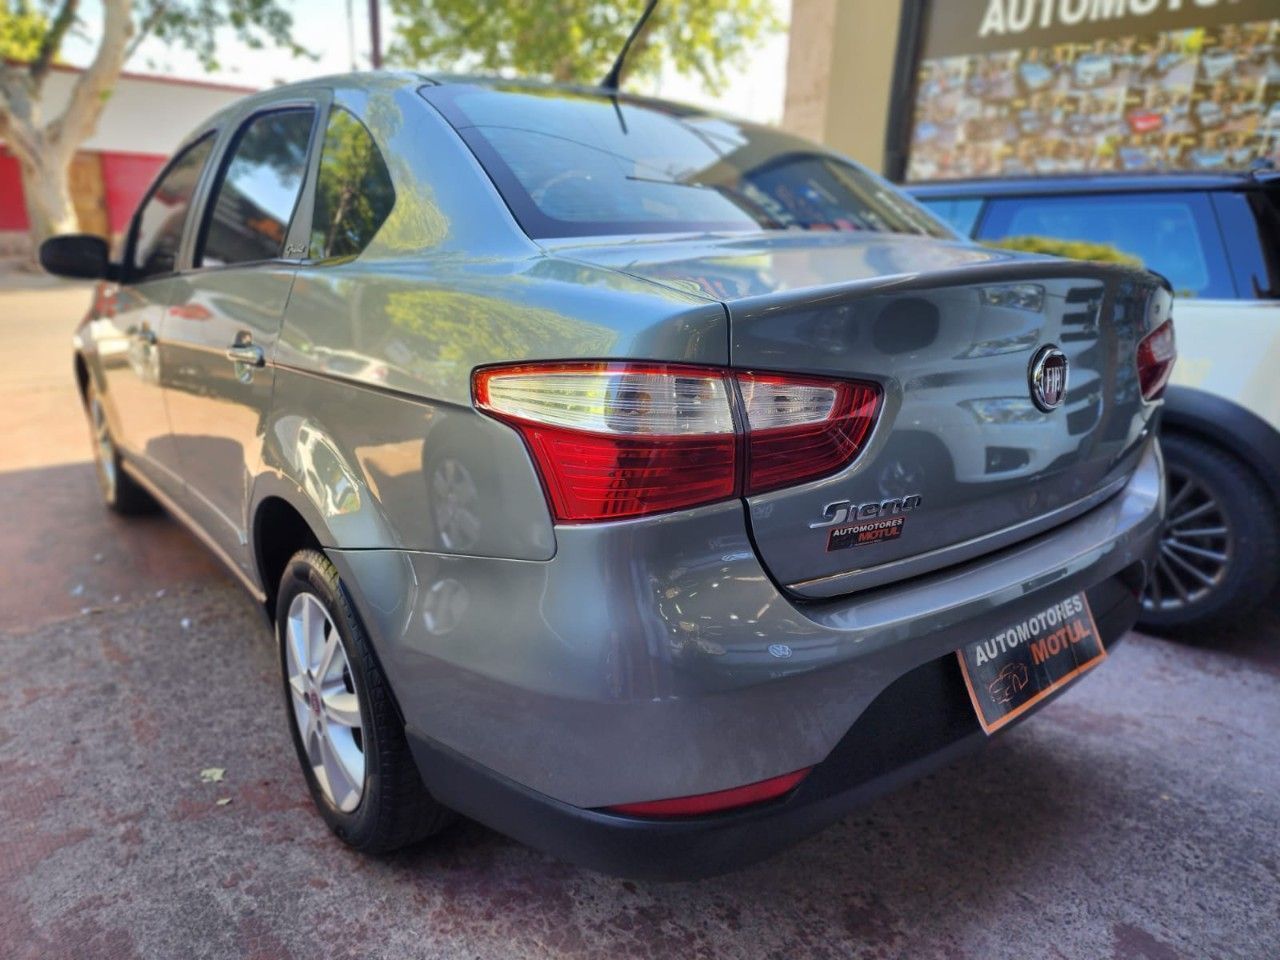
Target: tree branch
{"points": [[145, 28], [51, 42], [92, 88]]}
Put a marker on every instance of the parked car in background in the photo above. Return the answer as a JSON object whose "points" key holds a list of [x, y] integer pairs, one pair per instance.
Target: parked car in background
{"points": [[651, 486], [1209, 114], [1217, 239], [1217, 63], [1092, 70]]}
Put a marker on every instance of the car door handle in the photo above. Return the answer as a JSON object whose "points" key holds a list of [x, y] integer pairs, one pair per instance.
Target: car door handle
{"points": [[247, 353]]}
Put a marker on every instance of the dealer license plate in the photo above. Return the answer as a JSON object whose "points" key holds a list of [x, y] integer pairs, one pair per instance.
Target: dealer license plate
{"points": [[1010, 672]]}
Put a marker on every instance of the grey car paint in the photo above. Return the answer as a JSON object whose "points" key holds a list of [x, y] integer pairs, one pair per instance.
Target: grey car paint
{"points": [[642, 664], [549, 653]]}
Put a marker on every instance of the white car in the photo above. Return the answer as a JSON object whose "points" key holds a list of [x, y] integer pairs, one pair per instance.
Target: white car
{"points": [[1216, 237]]}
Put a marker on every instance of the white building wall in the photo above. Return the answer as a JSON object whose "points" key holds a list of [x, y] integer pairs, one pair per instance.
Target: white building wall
{"points": [[143, 115]]}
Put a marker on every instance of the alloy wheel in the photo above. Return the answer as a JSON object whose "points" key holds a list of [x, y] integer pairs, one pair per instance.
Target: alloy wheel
{"points": [[1196, 546], [326, 706]]}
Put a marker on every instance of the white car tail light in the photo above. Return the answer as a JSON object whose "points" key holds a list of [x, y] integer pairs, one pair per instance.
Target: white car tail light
{"points": [[614, 440]]}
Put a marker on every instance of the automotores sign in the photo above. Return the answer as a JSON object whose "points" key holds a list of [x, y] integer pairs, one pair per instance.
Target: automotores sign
{"points": [[1025, 87], [974, 26], [1018, 666]]}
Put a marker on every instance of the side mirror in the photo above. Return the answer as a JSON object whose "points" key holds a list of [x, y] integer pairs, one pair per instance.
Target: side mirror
{"points": [[80, 255]]}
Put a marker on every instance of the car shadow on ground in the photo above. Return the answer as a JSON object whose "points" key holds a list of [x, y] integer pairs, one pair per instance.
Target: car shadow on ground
{"points": [[911, 857], [67, 553]]}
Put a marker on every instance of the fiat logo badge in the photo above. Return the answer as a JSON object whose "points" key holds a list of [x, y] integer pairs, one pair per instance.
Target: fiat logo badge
{"points": [[1048, 378]]}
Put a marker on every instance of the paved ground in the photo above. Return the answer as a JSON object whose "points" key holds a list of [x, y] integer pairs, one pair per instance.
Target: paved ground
{"points": [[1137, 818]]}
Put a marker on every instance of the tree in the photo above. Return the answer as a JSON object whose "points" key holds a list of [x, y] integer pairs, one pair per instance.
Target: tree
{"points": [[45, 145], [576, 41]]}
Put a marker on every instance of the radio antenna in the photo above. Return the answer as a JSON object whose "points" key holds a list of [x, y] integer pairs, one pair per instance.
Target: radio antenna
{"points": [[614, 77]]}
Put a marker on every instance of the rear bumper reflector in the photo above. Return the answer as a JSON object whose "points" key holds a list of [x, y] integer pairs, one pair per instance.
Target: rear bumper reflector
{"points": [[704, 803]]}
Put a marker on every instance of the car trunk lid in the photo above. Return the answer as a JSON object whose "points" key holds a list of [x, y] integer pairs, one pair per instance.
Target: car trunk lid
{"points": [[962, 460]]}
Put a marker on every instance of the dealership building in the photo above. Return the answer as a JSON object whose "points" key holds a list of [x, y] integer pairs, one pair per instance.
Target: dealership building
{"points": [[139, 128], [944, 89]]}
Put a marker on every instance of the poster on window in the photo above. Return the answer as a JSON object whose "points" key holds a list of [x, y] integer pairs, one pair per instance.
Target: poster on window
{"points": [[1026, 87]]}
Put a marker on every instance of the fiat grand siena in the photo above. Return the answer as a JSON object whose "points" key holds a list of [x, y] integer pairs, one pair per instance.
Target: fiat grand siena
{"points": [[650, 486]]}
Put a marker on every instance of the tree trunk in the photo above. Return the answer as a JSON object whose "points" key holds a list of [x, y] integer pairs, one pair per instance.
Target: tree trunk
{"points": [[48, 196], [44, 148]]}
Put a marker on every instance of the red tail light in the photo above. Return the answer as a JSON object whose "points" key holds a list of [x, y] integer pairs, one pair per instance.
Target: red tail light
{"points": [[1157, 352], [614, 440], [801, 428], [704, 803]]}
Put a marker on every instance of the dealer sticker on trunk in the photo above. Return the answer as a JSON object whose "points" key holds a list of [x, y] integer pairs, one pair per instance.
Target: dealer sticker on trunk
{"points": [[864, 532], [1010, 672]]}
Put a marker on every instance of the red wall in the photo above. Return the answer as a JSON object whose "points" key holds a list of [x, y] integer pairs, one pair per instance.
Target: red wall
{"points": [[13, 209], [125, 178]]}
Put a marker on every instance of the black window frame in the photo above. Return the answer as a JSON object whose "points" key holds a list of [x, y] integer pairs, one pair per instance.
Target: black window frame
{"points": [[208, 200], [127, 271]]}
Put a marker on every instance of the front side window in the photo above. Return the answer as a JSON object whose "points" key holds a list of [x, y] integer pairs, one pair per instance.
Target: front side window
{"points": [[591, 165], [252, 204], [354, 194], [1174, 234], [158, 229]]}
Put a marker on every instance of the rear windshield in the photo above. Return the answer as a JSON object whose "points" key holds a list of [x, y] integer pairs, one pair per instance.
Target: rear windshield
{"points": [[571, 164]]}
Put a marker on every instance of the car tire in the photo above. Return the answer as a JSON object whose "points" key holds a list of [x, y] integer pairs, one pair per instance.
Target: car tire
{"points": [[363, 780], [1220, 543], [120, 492]]}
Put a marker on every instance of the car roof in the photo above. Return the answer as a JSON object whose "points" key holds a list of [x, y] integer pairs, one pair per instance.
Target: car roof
{"points": [[1093, 183]]}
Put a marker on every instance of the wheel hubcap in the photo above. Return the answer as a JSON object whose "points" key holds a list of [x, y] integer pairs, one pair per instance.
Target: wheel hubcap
{"points": [[1196, 544], [104, 451], [326, 706]]}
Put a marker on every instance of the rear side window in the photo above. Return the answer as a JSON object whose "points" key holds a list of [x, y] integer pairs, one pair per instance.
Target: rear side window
{"points": [[354, 195], [258, 188], [158, 229], [960, 212], [1174, 234]]}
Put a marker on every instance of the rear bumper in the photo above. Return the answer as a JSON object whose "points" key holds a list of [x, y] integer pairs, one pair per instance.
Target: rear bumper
{"points": [[921, 722], [655, 658]]}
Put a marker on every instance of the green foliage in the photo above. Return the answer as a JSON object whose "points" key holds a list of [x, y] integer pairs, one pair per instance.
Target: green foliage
{"points": [[353, 193], [194, 24], [26, 27], [1071, 249], [20, 31], [576, 41]]}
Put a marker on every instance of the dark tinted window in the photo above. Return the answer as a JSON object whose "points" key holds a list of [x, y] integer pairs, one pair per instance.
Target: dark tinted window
{"points": [[1174, 234], [960, 212], [254, 199], [354, 194], [161, 218], [580, 165]]}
